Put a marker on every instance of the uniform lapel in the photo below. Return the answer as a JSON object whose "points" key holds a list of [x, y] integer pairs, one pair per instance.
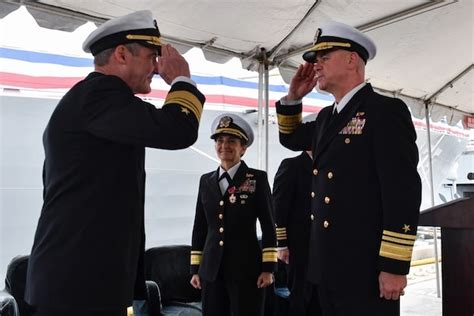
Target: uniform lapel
{"points": [[213, 184], [240, 175], [333, 128]]}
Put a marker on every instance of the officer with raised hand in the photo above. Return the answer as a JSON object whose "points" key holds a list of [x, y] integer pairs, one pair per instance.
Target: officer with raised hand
{"points": [[366, 191], [87, 256]]}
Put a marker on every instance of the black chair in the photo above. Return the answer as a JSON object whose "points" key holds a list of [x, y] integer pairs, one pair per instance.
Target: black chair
{"points": [[8, 306], [153, 298], [168, 266], [15, 282]]}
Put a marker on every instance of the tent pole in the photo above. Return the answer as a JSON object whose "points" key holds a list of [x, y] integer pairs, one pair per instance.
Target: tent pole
{"points": [[267, 100], [260, 153], [430, 164]]}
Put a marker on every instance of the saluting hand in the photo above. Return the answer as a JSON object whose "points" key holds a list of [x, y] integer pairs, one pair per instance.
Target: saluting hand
{"points": [[172, 64], [264, 279], [302, 82]]}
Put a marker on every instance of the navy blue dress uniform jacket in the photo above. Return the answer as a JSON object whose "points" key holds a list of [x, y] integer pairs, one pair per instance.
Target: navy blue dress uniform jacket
{"points": [[292, 197], [89, 244], [224, 231], [366, 189], [291, 194]]}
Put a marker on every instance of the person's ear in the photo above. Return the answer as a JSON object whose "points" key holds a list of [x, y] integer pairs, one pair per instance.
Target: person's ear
{"points": [[244, 149], [121, 54]]}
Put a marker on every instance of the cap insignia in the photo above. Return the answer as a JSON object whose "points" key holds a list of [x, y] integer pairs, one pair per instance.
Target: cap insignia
{"points": [[316, 36], [225, 121]]}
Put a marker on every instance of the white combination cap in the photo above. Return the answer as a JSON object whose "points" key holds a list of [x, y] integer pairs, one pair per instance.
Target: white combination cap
{"points": [[138, 27], [336, 35], [233, 125]]}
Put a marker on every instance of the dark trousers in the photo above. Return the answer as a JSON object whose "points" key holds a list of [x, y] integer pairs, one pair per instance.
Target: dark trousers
{"points": [[300, 291], [38, 311], [232, 298], [350, 302]]}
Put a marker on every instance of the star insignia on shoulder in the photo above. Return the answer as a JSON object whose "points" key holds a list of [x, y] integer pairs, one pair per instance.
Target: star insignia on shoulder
{"points": [[406, 228], [184, 110]]}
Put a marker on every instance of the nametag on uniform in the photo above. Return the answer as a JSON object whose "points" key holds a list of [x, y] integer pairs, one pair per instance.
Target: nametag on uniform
{"points": [[355, 126]]}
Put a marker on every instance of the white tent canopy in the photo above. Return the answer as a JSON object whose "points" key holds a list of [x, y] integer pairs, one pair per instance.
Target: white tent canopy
{"points": [[425, 48]]}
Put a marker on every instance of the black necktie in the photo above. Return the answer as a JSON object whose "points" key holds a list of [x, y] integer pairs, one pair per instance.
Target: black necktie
{"points": [[226, 176]]}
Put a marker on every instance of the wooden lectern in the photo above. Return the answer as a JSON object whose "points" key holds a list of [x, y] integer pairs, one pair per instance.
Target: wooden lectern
{"points": [[456, 219]]}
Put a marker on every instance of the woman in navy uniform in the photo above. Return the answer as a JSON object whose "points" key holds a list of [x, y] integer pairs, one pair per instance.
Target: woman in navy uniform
{"points": [[366, 191], [227, 261]]}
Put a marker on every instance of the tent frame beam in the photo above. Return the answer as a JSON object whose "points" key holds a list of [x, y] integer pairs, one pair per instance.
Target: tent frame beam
{"points": [[449, 84], [416, 10]]}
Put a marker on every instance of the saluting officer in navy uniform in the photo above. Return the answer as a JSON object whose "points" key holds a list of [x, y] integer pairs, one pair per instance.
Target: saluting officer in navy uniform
{"points": [[366, 191], [87, 256], [227, 261], [291, 194]]}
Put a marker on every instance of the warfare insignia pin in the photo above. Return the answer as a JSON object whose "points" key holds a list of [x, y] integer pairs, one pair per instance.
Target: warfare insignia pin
{"points": [[249, 175]]}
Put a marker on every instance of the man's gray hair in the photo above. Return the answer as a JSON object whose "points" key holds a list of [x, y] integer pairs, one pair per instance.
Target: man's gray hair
{"points": [[102, 58]]}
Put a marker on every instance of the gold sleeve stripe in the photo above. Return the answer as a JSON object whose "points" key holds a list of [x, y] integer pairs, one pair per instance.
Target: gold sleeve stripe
{"points": [[196, 252], [280, 228], [269, 257], [399, 240], [281, 233], [399, 235], [396, 252], [196, 259], [270, 249], [187, 100], [288, 123], [188, 105]]}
